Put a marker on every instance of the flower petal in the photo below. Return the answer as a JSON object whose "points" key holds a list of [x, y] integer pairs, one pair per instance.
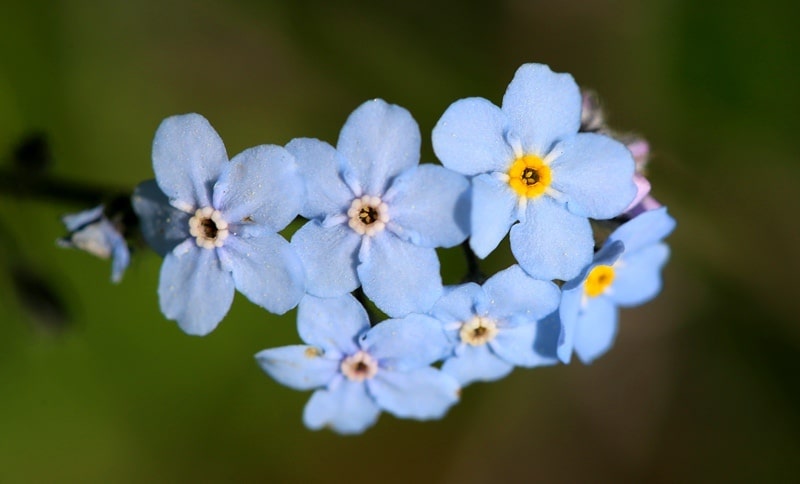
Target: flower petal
{"points": [[595, 175], [548, 332], [429, 206], [300, 367], [326, 192], [188, 157], [333, 324], [347, 409], [638, 276], [266, 269], [378, 141], [476, 363], [514, 344], [403, 344], [260, 185], [330, 255], [568, 313], [596, 329], [458, 304], [423, 393], [470, 137], [644, 230], [513, 292], [399, 277], [162, 225], [494, 209], [543, 107], [193, 289], [552, 243]]}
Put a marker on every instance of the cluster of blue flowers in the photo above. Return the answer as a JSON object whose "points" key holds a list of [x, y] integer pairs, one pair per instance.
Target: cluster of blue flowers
{"points": [[543, 168]]}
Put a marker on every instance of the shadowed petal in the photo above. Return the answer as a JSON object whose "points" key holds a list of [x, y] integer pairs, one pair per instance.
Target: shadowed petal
{"points": [[188, 157], [326, 191], [543, 107], [330, 255], [514, 344], [162, 225], [568, 313], [476, 363], [596, 329], [194, 290], [424, 393], [298, 366], [494, 209], [333, 324], [347, 409], [470, 137]]}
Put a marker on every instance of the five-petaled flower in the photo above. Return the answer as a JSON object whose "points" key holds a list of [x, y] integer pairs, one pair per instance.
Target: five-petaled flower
{"points": [[530, 164], [216, 223]]}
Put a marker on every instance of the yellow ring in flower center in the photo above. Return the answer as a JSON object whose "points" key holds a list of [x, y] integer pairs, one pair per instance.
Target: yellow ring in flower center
{"points": [[598, 280], [529, 176]]}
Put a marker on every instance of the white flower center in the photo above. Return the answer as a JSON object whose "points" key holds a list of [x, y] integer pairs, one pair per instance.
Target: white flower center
{"points": [[478, 331], [359, 366], [368, 215], [208, 227]]}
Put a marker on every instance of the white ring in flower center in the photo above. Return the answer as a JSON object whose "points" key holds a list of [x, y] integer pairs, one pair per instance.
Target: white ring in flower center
{"points": [[208, 227], [478, 331], [359, 366], [368, 215]]}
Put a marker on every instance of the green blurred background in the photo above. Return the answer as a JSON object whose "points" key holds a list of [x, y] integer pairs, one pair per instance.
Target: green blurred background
{"points": [[702, 384]]}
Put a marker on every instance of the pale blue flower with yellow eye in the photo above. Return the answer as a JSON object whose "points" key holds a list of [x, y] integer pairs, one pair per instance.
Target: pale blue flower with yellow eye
{"points": [[358, 371], [216, 223], [493, 328], [530, 165], [92, 232], [626, 272], [376, 215]]}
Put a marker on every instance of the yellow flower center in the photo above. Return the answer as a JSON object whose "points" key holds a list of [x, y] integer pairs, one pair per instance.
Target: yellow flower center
{"points": [[529, 176], [598, 280], [478, 331]]}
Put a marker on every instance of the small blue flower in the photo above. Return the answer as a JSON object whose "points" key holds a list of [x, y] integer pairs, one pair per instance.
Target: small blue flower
{"points": [[375, 214], [92, 232], [625, 272], [216, 223], [357, 371], [493, 327], [531, 165]]}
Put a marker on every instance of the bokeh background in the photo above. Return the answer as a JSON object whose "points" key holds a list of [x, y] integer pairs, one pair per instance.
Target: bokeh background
{"points": [[702, 385]]}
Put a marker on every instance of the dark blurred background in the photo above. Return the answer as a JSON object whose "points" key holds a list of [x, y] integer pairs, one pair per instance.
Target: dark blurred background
{"points": [[702, 385]]}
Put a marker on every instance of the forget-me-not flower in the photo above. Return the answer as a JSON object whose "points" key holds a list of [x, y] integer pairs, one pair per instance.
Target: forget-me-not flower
{"points": [[625, 272], [92, 232], [216, 223], [357, 371], [493, 328], [530, 164], [376, 215]]}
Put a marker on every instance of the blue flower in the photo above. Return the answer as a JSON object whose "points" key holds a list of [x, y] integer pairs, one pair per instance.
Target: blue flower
{"points": [[92, 232], [357, 371], [375, 214], [531, 165], [493, 327], [625, 272], [216, 223]]}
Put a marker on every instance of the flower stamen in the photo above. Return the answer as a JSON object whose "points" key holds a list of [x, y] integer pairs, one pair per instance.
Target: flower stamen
{"points": [[478, 331], [598, 280], [368, 215], [359, 366], [208, 227], [529, 176]]}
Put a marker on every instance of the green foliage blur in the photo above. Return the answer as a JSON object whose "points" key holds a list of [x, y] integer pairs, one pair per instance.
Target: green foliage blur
{"points": [[96, 386]]}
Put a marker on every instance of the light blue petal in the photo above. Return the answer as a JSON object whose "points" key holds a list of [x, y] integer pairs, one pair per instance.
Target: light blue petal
{"points": [[595, 175], [458, 304], [424, 393], [347, 409], [644, 230], [476, 363], [162, 225], [429, 206], [267, 270], [378, 141], [120, 253], [494, 209], [403, 344], [568, 313], [399, 277], [76, 221], [262, 186], [513, 292], [637, 277], [332, 324], [544, 107], [300, 367], [552, 243], [548, 333], [326, 191], [330, 255], [188, 157], [514, 344], [193, 289], [470, 137], [596, 329]]}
